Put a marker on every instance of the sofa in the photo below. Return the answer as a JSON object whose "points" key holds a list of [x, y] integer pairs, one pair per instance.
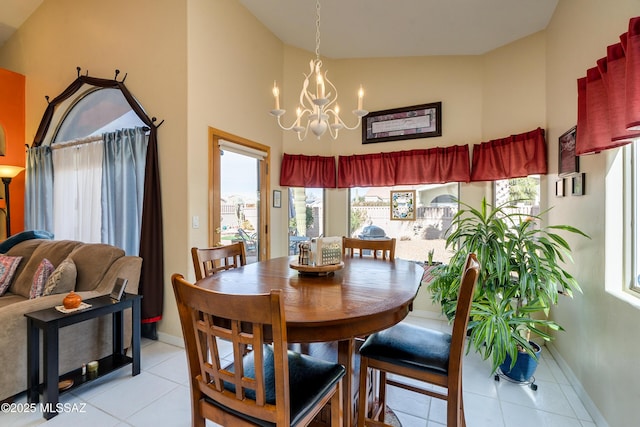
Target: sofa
{"points": [[53, 268]]}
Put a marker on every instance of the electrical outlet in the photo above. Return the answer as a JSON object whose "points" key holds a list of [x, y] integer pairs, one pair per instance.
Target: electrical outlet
{"points": [[195, 221]]}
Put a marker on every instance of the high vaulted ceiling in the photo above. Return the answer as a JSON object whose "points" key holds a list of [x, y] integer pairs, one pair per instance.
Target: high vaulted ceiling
{"points": [[12, 14], [376, 28], [393, 28]]}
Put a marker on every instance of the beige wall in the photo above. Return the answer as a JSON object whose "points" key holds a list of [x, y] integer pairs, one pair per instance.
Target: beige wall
{"points": [[199, 63], [232, 62], [146, 40], [601, 342]]}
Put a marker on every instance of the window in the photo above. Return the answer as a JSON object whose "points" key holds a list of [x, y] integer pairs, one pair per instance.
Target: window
{"points": [[239, 181], [622, 233], [306, 215], [370, 218], [632, 220], [523, 193], [95, 112]]}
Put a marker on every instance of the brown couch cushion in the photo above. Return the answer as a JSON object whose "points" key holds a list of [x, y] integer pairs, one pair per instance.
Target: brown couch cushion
{"points": [[54, 250], [25, 250], [92, 262], [63, 278]]}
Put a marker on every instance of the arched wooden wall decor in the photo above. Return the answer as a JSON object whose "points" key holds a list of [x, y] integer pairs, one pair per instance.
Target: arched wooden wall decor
{"points": [[151, 239]]}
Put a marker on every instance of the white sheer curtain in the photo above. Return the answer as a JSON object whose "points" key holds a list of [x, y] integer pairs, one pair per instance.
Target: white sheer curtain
{"points": [[77, 210], [123, 188]]}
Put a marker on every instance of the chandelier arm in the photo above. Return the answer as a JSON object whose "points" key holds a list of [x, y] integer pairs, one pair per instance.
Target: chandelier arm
{"points": [[283, 127], [332, 86], [304, 93], [356, 126], [302, 136]]}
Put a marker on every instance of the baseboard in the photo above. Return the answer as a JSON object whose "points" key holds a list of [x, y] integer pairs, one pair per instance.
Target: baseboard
{"points": [[597, 417], [170, 339], [426, 314]]}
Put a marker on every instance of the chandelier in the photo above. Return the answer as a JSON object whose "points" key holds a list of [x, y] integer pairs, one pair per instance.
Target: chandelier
{"points": [[318, 109]]}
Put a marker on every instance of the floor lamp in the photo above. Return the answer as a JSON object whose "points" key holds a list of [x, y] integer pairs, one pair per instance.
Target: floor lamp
{"points": [[7, 173]]}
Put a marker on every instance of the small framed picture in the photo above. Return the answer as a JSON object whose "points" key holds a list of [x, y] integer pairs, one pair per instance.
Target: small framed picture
{"points": [[277, 199], [568, 162], [118, 289], [403, 205], [560, 187], [578, 184]]}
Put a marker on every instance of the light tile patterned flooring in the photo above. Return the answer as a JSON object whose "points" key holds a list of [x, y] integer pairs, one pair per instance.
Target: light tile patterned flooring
{"points": [[159, 396]]}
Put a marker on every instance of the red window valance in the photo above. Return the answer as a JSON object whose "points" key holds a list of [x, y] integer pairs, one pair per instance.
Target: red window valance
{"points": [[298, 170], [609, 97], [427, 166], [513, 157]]}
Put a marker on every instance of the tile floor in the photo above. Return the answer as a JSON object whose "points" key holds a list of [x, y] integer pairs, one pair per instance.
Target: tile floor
{"points": [[159, 397]]}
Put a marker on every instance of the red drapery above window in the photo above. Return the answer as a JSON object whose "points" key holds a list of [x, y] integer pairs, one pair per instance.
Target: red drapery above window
{"points": [[609, 97], [632, 75], [513, 157], [428, 166], [298, 170]]}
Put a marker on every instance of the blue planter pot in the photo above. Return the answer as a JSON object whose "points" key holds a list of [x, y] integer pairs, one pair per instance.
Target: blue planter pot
{"points": [[525, 365]]}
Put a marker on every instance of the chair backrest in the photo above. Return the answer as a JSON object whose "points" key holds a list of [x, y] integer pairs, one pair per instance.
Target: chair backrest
{"points": [[463, 309], [387, 247], [207, 316], [207, 261]]}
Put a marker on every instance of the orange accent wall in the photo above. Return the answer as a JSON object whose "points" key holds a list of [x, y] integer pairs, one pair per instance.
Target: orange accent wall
{"points": [[12, 119]]}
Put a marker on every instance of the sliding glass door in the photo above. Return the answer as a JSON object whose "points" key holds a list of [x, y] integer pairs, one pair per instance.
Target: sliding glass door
{"points": [[239, 191]]}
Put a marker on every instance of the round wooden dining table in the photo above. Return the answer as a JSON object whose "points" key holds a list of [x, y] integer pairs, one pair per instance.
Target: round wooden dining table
{"points": [[365, 296]]}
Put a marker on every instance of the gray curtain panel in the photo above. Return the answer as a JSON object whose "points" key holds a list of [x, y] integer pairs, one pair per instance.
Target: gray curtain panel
{"points": [[38, 203]]}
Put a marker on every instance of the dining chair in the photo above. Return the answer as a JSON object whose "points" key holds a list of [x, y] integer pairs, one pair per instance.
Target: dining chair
{"points": [[421, 354], [270, 386], [351, 246], [208, 261]]}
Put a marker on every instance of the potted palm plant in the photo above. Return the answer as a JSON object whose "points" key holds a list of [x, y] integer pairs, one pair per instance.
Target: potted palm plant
{"points": [[521, 277]]}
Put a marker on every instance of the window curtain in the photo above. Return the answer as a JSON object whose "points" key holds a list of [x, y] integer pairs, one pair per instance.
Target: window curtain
{"points": [[428, 166], [38, 200], [76, 192], [125, 154], [298, 170], [609, 97], [151, 237], [365, 170], [512, 157]]}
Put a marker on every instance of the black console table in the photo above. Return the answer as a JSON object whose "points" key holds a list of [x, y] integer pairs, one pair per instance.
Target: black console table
{"points": [[51, 320]]}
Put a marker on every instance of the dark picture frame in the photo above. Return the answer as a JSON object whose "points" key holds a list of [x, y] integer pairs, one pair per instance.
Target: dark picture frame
{"points": [[277, 199], [118, 288], [568, 162], [578, 184], [416, 121]]}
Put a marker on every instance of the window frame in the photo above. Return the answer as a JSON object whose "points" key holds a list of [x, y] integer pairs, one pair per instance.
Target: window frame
{"points": [[215, 211], [619, 224]]}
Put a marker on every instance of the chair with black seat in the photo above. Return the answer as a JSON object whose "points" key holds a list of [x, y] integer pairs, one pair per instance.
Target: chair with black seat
{"points": [[421, 354], [208, 261], [270, 386], [351, 246]]}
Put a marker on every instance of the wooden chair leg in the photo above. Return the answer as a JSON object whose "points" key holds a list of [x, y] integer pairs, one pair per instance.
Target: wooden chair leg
{"points": [[362, 395], [382, 395], [462, 420], [197, 419], [337, 411], [454, 408]]}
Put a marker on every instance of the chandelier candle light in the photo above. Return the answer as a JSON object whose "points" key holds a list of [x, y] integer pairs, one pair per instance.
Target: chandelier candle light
{"points": [[317, 109]]}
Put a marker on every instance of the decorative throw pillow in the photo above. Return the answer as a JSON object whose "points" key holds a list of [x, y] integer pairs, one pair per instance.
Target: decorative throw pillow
{"points": [[40, 278], [8, 265], [63, 279]]}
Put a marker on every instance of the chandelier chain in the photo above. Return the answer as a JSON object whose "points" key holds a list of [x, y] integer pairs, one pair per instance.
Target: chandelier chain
{"points": [[318, 30], [318, 109]]}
